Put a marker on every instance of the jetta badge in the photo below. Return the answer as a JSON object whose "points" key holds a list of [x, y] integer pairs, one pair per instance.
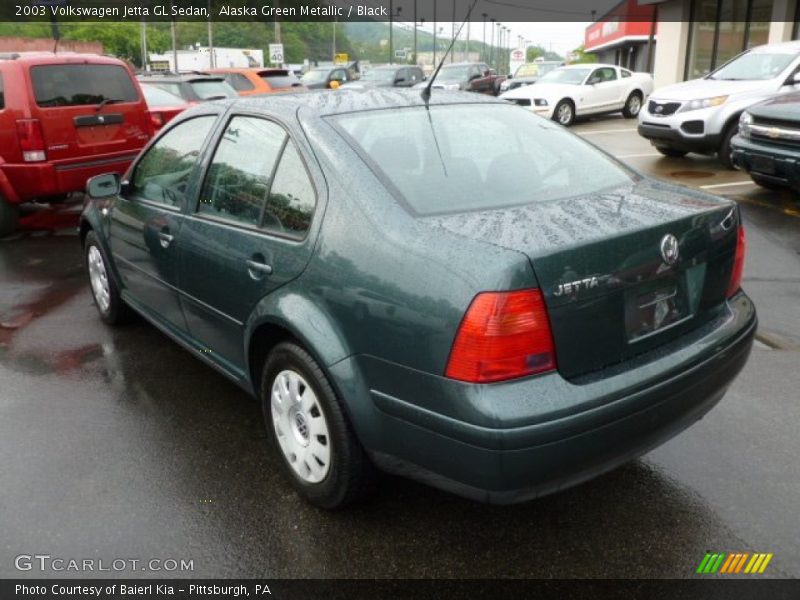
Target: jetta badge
{"points": [[669, 249], [659, 108]]}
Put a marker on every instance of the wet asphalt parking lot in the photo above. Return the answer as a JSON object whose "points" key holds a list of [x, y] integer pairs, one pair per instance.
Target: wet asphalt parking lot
{"points": [[116, 443]]}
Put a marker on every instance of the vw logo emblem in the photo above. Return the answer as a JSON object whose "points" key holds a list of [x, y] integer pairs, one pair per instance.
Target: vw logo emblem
{"points": [[659, 109], [669, 249]]}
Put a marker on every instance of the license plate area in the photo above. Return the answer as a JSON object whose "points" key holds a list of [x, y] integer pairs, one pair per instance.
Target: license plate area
{"points": [[762, 164], [656, 306]]}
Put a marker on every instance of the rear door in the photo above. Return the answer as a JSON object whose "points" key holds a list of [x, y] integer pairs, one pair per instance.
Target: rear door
{"points": [[146, 220], [88, 110], [247, 235]]}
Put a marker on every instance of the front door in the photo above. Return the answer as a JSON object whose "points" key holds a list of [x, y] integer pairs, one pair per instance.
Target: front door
{"points": [[146, 220], [247, 236], [603, 90]]}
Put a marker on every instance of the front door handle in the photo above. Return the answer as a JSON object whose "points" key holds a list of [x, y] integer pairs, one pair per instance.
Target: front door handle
{"points": [[165, 239], [258, 269]]}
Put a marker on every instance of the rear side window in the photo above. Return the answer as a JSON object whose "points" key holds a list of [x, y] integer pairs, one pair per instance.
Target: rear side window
{"points": [[281, 81], [79, 85], [2, 93], [625, 73], [238, 179], [239, 82], [292, 198], [162, 176]]}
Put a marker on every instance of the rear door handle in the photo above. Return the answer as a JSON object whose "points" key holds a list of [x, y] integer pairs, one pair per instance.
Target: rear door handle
{"points": [[258, 269], [165, 239]]}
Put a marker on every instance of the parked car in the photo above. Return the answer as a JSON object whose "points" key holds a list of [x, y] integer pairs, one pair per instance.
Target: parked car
{"points": [[529, 73], [768, 143], [580, 90], [63, 119], [702, 115], [389, 76], [469, 77], [556, 314], [192, 87], [326, 77], [162, 105], [249, 82]]}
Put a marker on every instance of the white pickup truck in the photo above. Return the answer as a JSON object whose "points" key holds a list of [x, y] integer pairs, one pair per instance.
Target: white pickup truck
{"points": [[588, 89]]}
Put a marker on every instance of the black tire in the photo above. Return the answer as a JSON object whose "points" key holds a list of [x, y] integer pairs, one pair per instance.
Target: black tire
{"points": [[671, 152], [724, 153], [350, 471], [9, 216], [117, 312], [767, 185], [562, 106], [630, 110]]}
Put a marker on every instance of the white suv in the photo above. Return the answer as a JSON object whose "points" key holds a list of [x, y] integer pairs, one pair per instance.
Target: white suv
{"points": [[702, 115]]}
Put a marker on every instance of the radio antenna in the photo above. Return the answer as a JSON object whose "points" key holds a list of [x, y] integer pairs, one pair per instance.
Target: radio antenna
{"points": [[426, 93]]}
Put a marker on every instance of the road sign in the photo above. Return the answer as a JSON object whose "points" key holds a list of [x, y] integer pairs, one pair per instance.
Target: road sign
{"points": [[341, 59], [276, 54], [399, 53]]}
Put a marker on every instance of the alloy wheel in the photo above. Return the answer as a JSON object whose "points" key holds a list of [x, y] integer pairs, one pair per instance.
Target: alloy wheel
{"points": [[564, 114]]}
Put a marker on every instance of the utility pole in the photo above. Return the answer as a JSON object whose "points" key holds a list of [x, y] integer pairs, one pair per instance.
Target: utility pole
{"points": [[415, 33], [466, 52], [453, 36], [434, 34], [277, 24], [144, 46], [483, 47], [391, 39], [491, 46], [174, 45], [211, 58]]}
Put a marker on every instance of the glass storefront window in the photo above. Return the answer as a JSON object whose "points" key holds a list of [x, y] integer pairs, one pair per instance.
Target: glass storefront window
{"points": [[721, 29]]}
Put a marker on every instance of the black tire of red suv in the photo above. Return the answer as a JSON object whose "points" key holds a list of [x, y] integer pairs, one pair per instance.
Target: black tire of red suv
{"points": [[9, 216], [117, 312]]}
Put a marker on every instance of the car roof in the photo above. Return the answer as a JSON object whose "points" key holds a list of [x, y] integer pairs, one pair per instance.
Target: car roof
{"points": [[588, 66], [180, 77], [321, 103], [50, 58], [788, 47]]}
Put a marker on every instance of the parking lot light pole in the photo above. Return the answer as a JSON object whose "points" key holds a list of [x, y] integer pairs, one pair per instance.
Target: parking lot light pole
{"points": [[415, 32], [483, 47], [391, 39], [491, 46], [453, 36], [434, 33]]}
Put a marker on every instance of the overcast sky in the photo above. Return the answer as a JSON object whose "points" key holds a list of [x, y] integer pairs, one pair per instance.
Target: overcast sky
{"points": [[561, 37]]}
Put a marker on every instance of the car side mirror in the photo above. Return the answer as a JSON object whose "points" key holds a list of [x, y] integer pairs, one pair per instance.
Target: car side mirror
{"points": [[593, 81], [474, 77], [399, 80], [794, 79], [103, 186], [510, 76]]}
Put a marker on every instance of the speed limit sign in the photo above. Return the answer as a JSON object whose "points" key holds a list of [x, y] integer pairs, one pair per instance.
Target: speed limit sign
{"points": [[276, 54]]}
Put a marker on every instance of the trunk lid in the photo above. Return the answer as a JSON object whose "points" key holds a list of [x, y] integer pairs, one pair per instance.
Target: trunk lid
{"points": [[88, 110], [610, 292]]}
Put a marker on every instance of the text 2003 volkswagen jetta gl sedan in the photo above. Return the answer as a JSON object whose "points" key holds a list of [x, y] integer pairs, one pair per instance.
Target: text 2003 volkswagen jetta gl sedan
{"points": [[463, 292]]}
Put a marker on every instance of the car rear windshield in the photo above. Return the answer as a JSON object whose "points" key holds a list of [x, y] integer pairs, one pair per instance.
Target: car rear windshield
{"points": [[281, 79], [78, 85], [467, 157], [156, 97], [212, 89]]}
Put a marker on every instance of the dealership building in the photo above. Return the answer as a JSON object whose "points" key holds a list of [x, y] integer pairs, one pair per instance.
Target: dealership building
{"points": [[685, 39]]}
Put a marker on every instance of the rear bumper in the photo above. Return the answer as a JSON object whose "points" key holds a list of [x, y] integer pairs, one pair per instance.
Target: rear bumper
{"points": [[515, 441], [782, 165], [31, 181], [662, 134]]}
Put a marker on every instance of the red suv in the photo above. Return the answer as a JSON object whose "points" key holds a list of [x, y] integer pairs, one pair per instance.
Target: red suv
{"points": [[63, 119]]}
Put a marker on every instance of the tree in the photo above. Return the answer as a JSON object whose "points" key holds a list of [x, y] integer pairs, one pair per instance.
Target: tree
{"points": [[579, 55]]}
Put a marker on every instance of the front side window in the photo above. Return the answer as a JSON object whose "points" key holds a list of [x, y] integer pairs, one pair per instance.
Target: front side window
{"points": [[162, 176], [603, 75], [473, 157], [79, 85], [238, 179]]}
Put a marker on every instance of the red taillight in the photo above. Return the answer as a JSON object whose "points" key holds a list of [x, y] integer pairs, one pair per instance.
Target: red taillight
{"points": [[738, 263], [31, 140], [503, 335], [158, 119]]}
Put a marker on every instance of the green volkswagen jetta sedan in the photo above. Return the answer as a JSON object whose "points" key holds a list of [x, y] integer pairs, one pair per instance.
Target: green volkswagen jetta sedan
{"points": [[460, 292]]}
